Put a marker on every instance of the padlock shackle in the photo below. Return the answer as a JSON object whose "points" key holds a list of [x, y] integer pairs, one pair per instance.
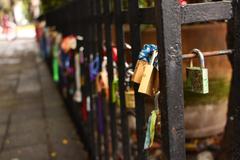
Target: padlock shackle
{"points": [[128, 75], [154, 55], [200, 56]]}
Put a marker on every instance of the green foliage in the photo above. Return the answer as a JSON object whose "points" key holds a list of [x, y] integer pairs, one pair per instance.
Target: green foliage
{"points": [[141, 3], [48, 5], [218, 91], [26, 9], [146, 3]]}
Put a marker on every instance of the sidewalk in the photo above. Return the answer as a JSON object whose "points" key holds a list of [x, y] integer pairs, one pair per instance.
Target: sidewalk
{"points": [[20, 32], [34, 124]]}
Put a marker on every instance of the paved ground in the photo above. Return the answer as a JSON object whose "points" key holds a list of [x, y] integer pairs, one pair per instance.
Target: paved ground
{"points": [[34, 124]]}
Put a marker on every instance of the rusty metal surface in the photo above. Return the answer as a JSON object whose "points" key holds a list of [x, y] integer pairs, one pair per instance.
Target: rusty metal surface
{"points": [[111, 105], [231, 143], [168, 23], [139, 98], [209, 54], [204, 12], [121, 75]]}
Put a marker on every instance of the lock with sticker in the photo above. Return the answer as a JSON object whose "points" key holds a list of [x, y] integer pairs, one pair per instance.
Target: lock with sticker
{"points": [[197, 77]]}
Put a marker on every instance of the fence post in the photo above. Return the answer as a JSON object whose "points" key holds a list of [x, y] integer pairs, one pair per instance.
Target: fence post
{"points": [[121, 73], [88, 44], [168, 23], [231, 145], [112, 106], [99, 44], [135, 40]]}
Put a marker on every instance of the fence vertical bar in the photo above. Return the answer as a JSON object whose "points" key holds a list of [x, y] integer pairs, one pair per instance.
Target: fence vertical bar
{"points": [[99, 48], [168, 23], [88, 50], [105, 111], [99, 29], [135, 40], [231, 145], [121, 73], [95, 44], [108, 41]]}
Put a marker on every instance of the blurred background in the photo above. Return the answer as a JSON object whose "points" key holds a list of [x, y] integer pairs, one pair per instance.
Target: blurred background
{"points": [[205, 115]]}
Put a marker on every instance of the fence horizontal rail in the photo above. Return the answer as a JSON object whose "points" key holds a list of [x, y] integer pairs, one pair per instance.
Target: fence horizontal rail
{"points": [[209, 54], [204, 12]]}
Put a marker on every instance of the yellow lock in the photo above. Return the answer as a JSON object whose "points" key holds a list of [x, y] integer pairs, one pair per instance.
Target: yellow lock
{"points": [[150, 76], [130, 99], [138, 71]]}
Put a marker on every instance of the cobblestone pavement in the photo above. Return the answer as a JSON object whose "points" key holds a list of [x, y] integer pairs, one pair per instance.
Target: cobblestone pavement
{"points": [[34, 124]]}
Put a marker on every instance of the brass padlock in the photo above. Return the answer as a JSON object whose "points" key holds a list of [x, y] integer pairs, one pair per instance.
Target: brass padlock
{"points": [[147, 85], [115, 94], [130, 99], [142, 62], [138, 71], [129, 93], [197, 77]]}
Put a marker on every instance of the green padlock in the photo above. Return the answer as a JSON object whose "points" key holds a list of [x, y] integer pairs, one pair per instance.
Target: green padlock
{"points": [[197, 77]]}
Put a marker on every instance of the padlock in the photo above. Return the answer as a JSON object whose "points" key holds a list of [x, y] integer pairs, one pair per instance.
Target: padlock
{"points": [[129, 92], [138, 72], [143, 60], [102, 80], [149, 77], [197, 77], [130, 99]]}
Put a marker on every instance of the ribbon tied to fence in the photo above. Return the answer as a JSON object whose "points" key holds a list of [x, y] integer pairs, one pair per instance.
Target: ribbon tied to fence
{"points": [[146, 52], [94, 68]]}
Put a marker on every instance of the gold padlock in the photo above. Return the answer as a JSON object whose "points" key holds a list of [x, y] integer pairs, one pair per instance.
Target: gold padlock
{"points": [[138, 71], [130, 99], [149, 78]]}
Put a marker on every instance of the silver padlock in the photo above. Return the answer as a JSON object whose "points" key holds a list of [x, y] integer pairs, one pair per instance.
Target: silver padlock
{"points": [[197, 77]]}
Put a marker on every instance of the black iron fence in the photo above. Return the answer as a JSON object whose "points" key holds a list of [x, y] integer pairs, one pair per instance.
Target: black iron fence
{"points": [[94, 20]]}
